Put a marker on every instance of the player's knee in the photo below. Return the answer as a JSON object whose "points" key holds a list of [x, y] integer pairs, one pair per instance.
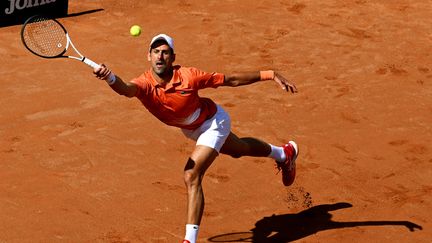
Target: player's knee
{"points": [[192, 176]]}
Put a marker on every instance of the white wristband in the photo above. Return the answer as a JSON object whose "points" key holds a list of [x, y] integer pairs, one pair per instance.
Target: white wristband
{"points": [[111, 79]]}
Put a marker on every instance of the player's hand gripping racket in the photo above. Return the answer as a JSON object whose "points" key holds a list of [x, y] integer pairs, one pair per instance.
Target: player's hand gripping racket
{"points": [[48, 38]]}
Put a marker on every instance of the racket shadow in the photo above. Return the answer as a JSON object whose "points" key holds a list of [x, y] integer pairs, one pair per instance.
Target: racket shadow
{"points": [[291, 227]]}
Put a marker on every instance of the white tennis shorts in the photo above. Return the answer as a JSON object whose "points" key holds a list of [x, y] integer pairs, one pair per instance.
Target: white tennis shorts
{"points": [[213, 132]]}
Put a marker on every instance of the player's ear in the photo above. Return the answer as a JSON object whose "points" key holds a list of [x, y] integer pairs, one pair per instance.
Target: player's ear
{"points": [[173, 57], [148, 56]]}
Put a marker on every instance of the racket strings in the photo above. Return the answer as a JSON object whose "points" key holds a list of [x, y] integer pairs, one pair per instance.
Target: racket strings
{"points": [[45, 37]]}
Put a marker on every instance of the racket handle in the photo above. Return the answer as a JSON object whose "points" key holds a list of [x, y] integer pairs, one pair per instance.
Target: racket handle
{"points": [[90, 63]]}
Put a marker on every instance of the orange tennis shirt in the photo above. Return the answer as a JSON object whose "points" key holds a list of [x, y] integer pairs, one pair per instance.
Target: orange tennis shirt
{"points": [[178, 103]]}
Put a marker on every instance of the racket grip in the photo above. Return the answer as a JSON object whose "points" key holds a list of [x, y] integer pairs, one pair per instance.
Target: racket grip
{"points": [[90, 63]]}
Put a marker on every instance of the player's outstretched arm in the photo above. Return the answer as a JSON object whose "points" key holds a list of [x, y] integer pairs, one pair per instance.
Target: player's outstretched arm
{"points": [[238, 79], [116, 83]]}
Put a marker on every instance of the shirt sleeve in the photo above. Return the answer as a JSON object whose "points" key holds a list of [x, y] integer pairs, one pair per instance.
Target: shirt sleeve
{"points": [[141, 84], [202, 80]]}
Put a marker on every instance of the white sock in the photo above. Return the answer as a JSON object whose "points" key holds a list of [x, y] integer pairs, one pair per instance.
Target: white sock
{"points": [[277, 153], [191, 232]]}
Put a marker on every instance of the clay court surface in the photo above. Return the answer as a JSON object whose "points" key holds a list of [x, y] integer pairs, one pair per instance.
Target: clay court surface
{"points": [[79, 163]]}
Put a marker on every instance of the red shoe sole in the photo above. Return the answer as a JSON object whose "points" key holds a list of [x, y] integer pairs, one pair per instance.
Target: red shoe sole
{"points": [[288, 177]]}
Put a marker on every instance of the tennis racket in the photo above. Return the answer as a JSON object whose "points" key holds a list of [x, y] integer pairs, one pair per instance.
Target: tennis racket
{"points": [[46, 37]]}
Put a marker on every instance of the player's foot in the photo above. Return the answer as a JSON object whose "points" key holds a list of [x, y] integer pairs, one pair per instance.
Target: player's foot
{"points": [[288, 167], [186, 241]]}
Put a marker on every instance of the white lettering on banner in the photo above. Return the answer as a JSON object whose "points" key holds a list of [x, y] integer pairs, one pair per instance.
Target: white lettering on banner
{"points": [[22, 4]]}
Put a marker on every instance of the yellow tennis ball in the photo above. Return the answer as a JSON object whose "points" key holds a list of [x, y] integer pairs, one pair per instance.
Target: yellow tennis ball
{"points": [[135, 30]]}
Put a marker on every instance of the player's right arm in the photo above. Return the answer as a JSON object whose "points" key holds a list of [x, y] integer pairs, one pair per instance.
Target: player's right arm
{"points": [[121, 87]]}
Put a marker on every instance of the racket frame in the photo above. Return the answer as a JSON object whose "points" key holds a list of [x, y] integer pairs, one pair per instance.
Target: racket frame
{"points": [[68, 43]]}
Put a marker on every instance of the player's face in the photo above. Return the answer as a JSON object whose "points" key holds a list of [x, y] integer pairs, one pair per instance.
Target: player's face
{"points": [[161, 59]]}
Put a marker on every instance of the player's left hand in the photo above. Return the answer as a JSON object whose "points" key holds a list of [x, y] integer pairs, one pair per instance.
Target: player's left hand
{"points": [[283, 82]]}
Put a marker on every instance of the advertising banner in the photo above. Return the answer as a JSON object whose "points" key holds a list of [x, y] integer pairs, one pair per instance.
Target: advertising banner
{"points": [[14, 12]]}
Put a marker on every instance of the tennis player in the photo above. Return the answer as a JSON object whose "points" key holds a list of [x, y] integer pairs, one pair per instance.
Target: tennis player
{"points": [[170, 93]]}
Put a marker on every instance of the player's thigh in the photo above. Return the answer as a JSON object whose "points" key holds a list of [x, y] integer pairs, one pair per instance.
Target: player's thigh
{"points": [[234, 146]]}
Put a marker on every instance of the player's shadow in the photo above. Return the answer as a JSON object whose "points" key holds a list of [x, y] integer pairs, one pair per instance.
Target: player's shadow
{"points": [[290, 227]]}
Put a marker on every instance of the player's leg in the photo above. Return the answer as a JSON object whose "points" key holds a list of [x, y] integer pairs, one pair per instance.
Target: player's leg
{"points": [[202, 157], [248, 146], [284, 156], [209, 137], [200, 160]]}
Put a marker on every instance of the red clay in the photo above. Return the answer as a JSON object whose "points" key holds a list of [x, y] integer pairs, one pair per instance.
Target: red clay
{"points": [[78, 163]]}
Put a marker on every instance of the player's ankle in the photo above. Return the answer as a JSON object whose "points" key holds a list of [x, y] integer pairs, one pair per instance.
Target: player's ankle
{"points": [[191, 232]]}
